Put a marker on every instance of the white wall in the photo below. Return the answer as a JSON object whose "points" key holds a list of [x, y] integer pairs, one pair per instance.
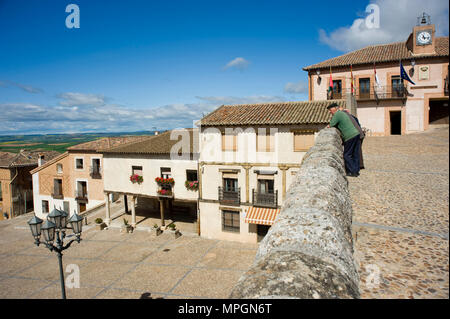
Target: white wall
{"points": [[117, 172]]}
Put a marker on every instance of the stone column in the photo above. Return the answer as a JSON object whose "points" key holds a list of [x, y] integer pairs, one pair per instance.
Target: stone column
{"points": [[283, 181], [108, 210], [247, 181], [133, 211], [161, 209]]}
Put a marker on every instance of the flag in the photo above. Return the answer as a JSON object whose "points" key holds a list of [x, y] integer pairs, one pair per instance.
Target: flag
{"points": [[330, 87], [404, 75], [352, 82], [376, 87]]}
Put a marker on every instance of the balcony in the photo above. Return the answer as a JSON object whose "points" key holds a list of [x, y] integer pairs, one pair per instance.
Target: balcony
{"points": [[57, 195], [165, 193], [81, 195], [446, 86], [95, 172], [265, 199], [230, 197], [387, 92]]}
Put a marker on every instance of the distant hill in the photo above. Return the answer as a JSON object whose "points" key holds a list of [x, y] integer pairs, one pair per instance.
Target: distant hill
{"points": [[55, 142]]}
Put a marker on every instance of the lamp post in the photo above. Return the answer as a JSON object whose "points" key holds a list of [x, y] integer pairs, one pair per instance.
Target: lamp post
{"points": [[56, 224]]}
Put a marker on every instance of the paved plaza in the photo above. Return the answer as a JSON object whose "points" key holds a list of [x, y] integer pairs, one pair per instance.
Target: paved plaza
{"points": [[401, 216], [120, 265], [400, 226]]}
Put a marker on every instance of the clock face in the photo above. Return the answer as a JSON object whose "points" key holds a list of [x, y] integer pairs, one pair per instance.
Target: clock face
{"points": [[423, 37]]}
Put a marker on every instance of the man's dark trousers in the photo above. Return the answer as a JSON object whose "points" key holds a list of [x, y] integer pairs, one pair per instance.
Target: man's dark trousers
{"points": [[351, 154]]}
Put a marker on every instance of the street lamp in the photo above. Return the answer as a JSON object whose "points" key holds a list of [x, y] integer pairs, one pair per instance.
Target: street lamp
{"points": [[54, 228]]}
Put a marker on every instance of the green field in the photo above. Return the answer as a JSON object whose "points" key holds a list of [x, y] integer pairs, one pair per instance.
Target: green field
{"points": [[54, 142]]}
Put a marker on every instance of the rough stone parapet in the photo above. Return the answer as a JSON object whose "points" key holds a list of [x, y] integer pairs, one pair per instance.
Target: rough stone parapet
{"points": [[308, 252]]}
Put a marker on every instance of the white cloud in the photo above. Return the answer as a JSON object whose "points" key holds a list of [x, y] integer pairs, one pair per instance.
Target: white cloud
{"points": [[102, 117], [27, 88], [237, 63], [397, 19], [296, 88], [79, 99]]}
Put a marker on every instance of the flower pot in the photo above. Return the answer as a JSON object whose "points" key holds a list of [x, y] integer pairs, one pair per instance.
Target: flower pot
{"points": [[156, 231], [100, 226], [175, 233], [126, 229]]}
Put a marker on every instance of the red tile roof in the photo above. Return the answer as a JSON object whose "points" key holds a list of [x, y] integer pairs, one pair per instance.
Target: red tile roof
{"points": [[279, 113], [381, 53]]}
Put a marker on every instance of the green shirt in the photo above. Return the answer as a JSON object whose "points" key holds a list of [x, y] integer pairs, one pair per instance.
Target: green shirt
{"points": [[344, 124]]}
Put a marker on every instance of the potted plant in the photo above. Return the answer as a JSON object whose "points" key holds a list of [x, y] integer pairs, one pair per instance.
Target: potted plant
{"points": [[164, 181], [126, 227], [135, 178], [173, 229], [156, 230], [100, 225], [164, 192], [191, 185]]}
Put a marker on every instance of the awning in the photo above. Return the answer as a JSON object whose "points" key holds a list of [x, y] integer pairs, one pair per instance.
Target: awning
{"points": [[261, 216]]}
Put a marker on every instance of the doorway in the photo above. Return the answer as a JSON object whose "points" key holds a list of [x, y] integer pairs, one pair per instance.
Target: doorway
{"points": [[396, 122], [438, 113], [261, 231], [82, 207]]}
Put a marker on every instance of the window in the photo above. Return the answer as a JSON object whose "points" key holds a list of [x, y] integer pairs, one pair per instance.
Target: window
{"points": [[397, 86], [79, 163], [303, 141], [230, 221], [265, 142], [337, 89], [166, 172], [229, 142], [191, 176], [136, 170], [96, 165], [364, 88], [45, 206], [230, 184], [59, 168], [265, 186], [57, 187]]}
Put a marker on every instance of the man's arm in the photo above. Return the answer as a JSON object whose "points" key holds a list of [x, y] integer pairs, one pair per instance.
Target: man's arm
{"points": [[334, 120]]}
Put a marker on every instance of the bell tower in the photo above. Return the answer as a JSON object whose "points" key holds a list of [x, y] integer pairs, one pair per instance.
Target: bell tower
{"points": [[423, 36]]}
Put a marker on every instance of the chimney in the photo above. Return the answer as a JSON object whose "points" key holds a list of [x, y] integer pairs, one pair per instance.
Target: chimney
{"points": [[40, 159]]}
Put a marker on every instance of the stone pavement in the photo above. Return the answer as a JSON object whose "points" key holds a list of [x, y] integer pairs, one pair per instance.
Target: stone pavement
{"points": [[401, 216], [119, 265]]}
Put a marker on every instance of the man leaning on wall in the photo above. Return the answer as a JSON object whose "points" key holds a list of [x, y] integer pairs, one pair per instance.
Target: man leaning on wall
{"points": [[350, 136]]}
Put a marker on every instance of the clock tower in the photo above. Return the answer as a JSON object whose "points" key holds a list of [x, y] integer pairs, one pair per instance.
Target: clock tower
{"points": [[423, 41]]}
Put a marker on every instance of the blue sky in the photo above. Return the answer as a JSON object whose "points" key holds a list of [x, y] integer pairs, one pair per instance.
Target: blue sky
{"points": [[135, 65]]}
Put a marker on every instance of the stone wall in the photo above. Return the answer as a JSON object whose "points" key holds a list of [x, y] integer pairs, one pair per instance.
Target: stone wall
{"points": [[308, 252]]}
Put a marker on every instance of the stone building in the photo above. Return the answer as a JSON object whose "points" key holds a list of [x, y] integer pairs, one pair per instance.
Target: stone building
{"points": [[16, 194], [249, 155], [391, 105], [73, 181], [155, 175]]}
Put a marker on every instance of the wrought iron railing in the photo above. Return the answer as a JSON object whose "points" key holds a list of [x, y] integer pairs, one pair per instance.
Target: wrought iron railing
{"points": [[81, 194], [446, 85], [230, 196], [265, 199], [374, 93], [95, 171]]}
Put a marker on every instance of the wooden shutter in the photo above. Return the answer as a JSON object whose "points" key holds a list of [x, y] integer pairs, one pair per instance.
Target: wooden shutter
{"points": [[303, 141]]}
